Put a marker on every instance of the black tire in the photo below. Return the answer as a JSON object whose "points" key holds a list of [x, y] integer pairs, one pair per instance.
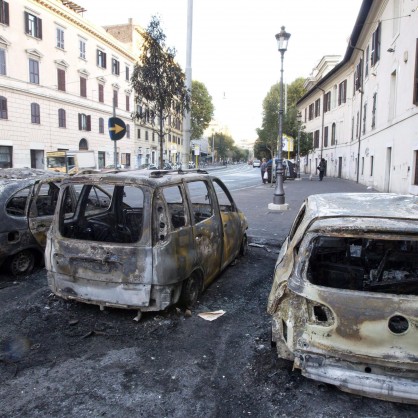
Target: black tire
{"points": [[190, 291], [244, 246], [21, 263]]}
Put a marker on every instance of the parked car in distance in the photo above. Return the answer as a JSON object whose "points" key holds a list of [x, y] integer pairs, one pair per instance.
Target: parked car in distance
{"points": [[256, 163], [344, 299], [142, 240], [289, 170], [27, 202]]}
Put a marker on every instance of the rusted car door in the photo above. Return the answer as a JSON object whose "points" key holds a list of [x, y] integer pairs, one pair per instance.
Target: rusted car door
{"points": [[207, 228], [232, 227], [174, 250], [43, 202]]}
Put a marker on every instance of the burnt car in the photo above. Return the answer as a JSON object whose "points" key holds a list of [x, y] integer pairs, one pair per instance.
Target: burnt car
{"points": [[27, 202], [344, 300], [142, 240]]}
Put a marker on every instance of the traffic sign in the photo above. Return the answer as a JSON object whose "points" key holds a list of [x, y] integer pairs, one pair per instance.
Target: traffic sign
{"points": [[117, 128]]}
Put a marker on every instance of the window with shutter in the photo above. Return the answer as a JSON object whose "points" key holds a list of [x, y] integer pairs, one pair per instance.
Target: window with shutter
{"points": [[3, 107], [35, 113], [326, 136], [33, 71], [101, 58], [375, 54], [416, 168], [62, 123], [127, 104], [61, 79], [4, 12], [33, 25], [83, 87], [416, 76], [2, 61], [101, 93]]}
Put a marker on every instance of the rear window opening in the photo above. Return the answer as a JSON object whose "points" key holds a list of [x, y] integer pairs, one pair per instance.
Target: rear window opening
{"points": [[102, 213], [372, 265]]}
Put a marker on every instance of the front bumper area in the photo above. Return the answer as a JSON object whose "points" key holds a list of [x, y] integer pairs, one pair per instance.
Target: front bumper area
{"points": [[350, 378]]}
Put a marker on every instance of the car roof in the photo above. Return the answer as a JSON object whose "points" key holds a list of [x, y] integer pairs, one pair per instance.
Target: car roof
{"points": [[370, 205], [28, 175], [152, 178]]}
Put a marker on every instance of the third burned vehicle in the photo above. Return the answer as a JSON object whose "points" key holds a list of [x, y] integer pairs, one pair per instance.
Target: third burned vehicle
{"points": [[344, 301], [142, 239]]}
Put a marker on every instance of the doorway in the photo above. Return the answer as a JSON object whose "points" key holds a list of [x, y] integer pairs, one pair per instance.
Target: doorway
{"points": [[37, 158], [386, 185], [340, 166]]}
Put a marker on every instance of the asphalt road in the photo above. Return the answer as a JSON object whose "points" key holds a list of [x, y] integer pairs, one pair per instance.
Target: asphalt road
{"points": [[66, 359]]}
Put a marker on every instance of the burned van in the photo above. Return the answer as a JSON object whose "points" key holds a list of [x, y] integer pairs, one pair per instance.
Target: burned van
{"points": [[28, 198], [344, 301], [142, 240]]}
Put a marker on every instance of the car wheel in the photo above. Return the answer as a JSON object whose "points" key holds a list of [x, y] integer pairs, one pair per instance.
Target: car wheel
{"points": [[244, 246], [190, 291], [22, 263]]}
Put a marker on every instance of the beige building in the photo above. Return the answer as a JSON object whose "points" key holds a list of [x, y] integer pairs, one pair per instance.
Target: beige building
{"points": [[363, 113], [60, 77]]}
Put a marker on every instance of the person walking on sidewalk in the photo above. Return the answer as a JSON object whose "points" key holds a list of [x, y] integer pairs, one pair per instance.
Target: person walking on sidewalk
{"points": [[321, 167], [263, 169]]}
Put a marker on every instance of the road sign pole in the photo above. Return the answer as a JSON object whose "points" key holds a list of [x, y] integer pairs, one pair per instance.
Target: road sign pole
{"points": [[115, 149]]}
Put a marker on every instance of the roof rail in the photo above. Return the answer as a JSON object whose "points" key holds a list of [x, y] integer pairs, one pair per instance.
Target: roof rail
{"points": [[161, 173]]}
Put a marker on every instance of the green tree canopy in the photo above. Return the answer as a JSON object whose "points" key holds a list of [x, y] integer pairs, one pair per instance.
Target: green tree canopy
{"points": [[159, 83], [266, 144], [201, 109]]}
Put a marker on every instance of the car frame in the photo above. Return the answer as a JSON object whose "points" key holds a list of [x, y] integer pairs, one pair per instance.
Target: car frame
{"points": [[344, 299], [256, 163], [143, 240], [27, 202]]}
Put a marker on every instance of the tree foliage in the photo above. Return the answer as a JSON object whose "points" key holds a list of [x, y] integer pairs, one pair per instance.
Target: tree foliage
{"points": [[266, 144], [201, 109], [159, 83]]}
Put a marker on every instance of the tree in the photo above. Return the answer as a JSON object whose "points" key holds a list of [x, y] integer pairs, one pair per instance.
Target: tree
{"points": [[202, 109], [266, 144], [223, 145], [159, 83]]}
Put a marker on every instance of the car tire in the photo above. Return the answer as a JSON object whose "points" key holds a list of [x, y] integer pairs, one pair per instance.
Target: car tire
{"points": [[21, 263], [244, 246], [190, 291]]}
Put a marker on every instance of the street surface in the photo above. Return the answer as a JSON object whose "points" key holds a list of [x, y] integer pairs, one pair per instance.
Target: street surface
{"points": [[67, 359]]}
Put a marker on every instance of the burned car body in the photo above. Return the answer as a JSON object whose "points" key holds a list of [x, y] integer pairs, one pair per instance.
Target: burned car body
{"points": [[344, 300], [142, 240], [27, 202]]}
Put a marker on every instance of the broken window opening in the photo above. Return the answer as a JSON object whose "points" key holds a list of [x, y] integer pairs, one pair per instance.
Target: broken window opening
{"points": [[103, 214], [372, 265]]}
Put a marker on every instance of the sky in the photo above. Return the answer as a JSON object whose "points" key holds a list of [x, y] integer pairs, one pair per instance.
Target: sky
{"points": [[234, 50]]}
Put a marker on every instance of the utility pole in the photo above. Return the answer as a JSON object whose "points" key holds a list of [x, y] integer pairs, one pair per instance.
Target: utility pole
{"points": [[187, 126]]}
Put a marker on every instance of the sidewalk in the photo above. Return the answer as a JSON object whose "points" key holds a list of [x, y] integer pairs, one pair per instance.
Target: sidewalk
{"points": [[271, 227]]}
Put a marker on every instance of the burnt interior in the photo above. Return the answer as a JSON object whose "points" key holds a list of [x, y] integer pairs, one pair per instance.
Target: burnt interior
{"points": [[373, 265], [105, 214]]}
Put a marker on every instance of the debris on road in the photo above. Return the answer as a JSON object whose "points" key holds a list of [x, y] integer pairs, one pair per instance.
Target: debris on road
{"points": [[211, 316]]}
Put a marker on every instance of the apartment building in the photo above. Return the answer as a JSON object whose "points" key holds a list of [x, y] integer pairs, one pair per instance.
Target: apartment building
{"points": [[362, 114], [61, 79]]}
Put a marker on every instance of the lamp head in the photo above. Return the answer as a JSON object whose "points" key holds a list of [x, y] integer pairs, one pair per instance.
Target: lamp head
{"points": [[282, 39]]}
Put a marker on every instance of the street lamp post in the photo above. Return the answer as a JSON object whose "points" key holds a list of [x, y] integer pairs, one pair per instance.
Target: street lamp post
{"points": [[299, 119], [279, 198]]}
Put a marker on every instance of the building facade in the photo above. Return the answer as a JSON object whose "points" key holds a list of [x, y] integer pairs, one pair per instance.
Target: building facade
{"points": [[61, 79], [363, 114]]}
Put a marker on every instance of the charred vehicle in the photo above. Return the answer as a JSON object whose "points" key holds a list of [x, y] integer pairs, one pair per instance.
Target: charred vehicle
{"points": [[28, 198], [344, 300], [142, 240]]}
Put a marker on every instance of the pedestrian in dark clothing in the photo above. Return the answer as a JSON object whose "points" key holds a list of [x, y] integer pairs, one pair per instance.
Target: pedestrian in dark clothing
{"points": [[263, 169], [321, 167]]}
